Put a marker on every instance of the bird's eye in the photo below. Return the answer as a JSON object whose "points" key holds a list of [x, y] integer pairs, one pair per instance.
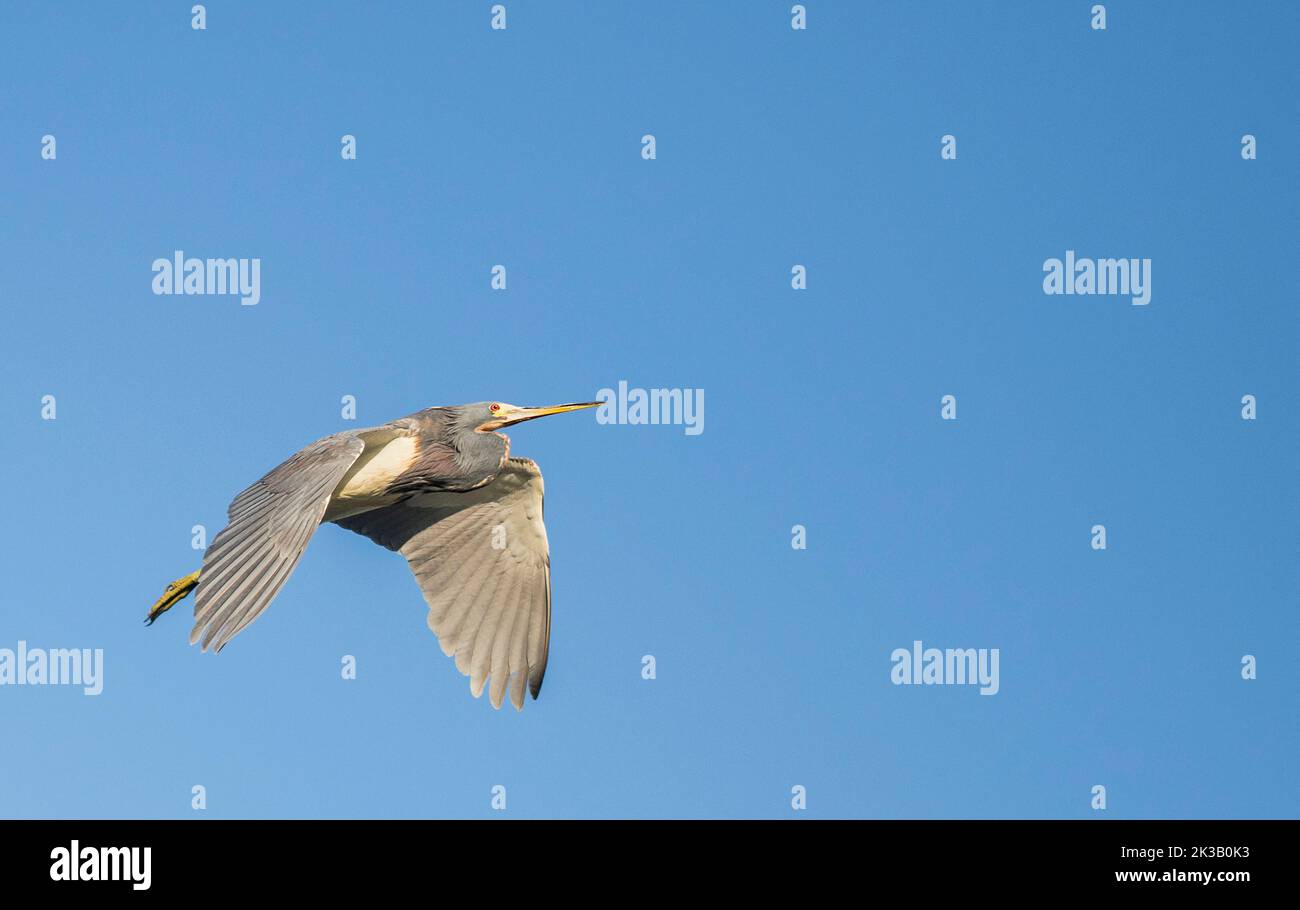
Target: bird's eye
{"points": [[495, 407]]}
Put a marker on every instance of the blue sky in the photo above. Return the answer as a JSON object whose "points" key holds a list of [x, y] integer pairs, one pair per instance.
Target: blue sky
{"points": [[775, 147]]}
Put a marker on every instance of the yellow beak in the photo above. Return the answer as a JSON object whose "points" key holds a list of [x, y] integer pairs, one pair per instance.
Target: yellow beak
{"points": [[523, 414]]}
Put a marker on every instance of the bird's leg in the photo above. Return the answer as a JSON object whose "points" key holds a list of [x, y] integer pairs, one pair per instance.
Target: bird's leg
{"points": [[173, 594]]}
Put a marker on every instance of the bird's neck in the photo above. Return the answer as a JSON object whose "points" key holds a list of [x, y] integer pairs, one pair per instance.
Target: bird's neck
{"points": [[482, 455]]}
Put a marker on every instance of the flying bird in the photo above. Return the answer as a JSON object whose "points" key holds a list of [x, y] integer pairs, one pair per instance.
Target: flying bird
{"points": [[438, 486]]}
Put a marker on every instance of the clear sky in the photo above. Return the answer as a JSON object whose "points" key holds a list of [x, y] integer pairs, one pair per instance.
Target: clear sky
{"points": [[774, 148]]}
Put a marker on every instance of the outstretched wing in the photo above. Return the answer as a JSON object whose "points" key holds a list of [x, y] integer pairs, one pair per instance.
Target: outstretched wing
{"points": [[482, 561], [270, 524]]}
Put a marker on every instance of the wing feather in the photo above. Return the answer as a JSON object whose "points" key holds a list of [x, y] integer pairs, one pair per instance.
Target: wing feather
{"points": [[458, 594], [269, 526], [489, 596], [485, 637], [499, 668]]}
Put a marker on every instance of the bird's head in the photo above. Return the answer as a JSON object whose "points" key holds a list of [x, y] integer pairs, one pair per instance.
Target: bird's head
{"points": [[490, 416]]}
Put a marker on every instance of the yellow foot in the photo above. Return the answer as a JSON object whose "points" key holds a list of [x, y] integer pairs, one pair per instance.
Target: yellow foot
{"points": [[172, 595]]}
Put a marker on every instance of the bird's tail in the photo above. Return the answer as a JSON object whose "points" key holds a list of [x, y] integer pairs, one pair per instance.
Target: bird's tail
{"points": [[173, 594]]}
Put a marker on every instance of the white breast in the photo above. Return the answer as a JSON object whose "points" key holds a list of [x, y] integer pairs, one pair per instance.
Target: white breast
{"points": [[379, 465]]}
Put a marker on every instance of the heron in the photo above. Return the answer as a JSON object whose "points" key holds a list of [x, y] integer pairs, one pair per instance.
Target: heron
{"points": [[438, 486]]}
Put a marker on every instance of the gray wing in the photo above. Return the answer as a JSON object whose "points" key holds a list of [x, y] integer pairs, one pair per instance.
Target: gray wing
{"points": [[270, 524], [482, 560]]}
